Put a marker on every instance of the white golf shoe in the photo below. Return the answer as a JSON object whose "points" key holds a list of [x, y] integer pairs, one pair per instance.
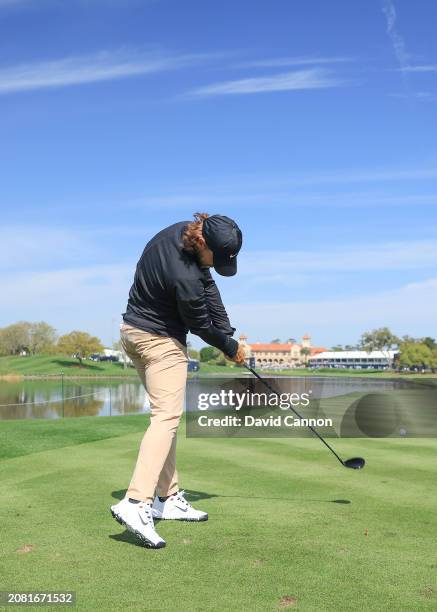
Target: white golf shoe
{"points": [[138, 519], [177, 508]]}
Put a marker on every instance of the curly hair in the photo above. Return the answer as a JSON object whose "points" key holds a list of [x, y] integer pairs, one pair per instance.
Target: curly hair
{"points": [[192, 232]]}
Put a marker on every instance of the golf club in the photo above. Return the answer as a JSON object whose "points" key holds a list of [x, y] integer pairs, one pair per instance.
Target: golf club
{"points": [[356, 463]]}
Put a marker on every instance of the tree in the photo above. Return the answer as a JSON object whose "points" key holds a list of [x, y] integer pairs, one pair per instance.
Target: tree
{"points": [[407, 338], [32, 338], [381, 339], [305, 351], [416, 354], [291, 341], [79, 344], [15, 338], [275, 341], [430, 342], [207, 353], [337, 347], [42, 338], [193, 353]]}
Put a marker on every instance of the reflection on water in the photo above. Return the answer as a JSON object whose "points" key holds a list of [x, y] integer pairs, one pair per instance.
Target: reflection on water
{"points": [[46, 399], [319, 386]]}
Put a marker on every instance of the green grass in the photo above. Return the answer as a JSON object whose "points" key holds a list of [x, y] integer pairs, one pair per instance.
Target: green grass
{"points": [[207, 369], [351, 372], [49, 365], [53, 365], [285, 521]]}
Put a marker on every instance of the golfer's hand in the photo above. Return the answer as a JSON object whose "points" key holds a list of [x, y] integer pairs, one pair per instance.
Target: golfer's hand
{"points": [[240, 355]]}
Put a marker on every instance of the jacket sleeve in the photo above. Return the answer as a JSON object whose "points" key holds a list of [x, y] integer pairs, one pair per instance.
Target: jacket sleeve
{"points": [[218, 314], [193, 310]]}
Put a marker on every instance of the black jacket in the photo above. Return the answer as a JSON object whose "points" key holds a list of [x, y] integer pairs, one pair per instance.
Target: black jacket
{"points": [[171, 294]]}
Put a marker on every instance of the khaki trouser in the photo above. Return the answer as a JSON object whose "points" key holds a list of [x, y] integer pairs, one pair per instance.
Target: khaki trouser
{"points": [[161, 363]]}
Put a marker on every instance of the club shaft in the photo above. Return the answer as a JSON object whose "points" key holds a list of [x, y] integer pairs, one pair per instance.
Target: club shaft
{"points": [[263, 380]]}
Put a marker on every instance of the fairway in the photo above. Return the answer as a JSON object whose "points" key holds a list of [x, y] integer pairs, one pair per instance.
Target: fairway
{"points": [[288, 527]]}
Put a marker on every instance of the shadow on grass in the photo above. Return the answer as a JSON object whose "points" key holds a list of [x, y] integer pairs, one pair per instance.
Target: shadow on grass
{"points": [[191, 495], [85, 366], [128, 538], [92, 367], [291, 499], [198, 495]]}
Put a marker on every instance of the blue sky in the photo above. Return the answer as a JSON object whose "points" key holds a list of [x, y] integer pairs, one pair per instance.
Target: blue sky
{"points": [[312, 123]]}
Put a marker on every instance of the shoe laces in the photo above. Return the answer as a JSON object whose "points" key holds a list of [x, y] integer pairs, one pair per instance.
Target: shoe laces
{"points": [[146, 513], [180, 497]]}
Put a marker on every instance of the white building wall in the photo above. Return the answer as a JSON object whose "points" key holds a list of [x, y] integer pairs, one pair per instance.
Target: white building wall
{"points": [[354, 358]]}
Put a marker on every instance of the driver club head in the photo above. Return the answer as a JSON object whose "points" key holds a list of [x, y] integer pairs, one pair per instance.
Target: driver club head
{"points": [[356, 463]]}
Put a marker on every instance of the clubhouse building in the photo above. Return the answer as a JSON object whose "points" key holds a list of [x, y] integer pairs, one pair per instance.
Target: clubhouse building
{"points": [[378, 360], [287, 355]]}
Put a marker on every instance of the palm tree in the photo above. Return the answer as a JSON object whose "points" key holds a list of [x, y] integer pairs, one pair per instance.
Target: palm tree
{"points": [[305, 351]]}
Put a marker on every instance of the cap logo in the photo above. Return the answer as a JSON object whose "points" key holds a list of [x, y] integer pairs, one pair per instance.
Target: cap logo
{"points": [[231, 256]]}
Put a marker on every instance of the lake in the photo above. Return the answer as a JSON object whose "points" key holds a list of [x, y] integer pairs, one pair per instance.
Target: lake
{"points": [[27, 399]]}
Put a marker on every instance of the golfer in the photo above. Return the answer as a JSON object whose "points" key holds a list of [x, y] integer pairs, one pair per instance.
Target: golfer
{"points": [[173, 292]]}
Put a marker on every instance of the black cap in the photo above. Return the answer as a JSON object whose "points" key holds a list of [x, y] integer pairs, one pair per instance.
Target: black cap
{"points": [[224, 238]]}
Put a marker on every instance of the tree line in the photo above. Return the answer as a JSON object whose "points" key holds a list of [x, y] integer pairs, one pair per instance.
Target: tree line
{"points": [[410, 352], [40, 338]]}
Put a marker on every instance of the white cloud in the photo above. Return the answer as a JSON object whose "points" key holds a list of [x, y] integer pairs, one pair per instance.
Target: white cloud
{"points": [[314, 78], [36, 245], [353, 257], [284, 190], [396, 39], [87, 297], [65, 285], [420, 68], [369, 176], [248, 195], [102, 66], [403, 57], [341, 177], [92, 297], [48, 247], [422, 96], [407, 310], [293, 61]]}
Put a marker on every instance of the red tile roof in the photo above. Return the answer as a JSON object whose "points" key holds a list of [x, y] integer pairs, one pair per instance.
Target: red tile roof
{"points": [[271, 347], [282, 348]]}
